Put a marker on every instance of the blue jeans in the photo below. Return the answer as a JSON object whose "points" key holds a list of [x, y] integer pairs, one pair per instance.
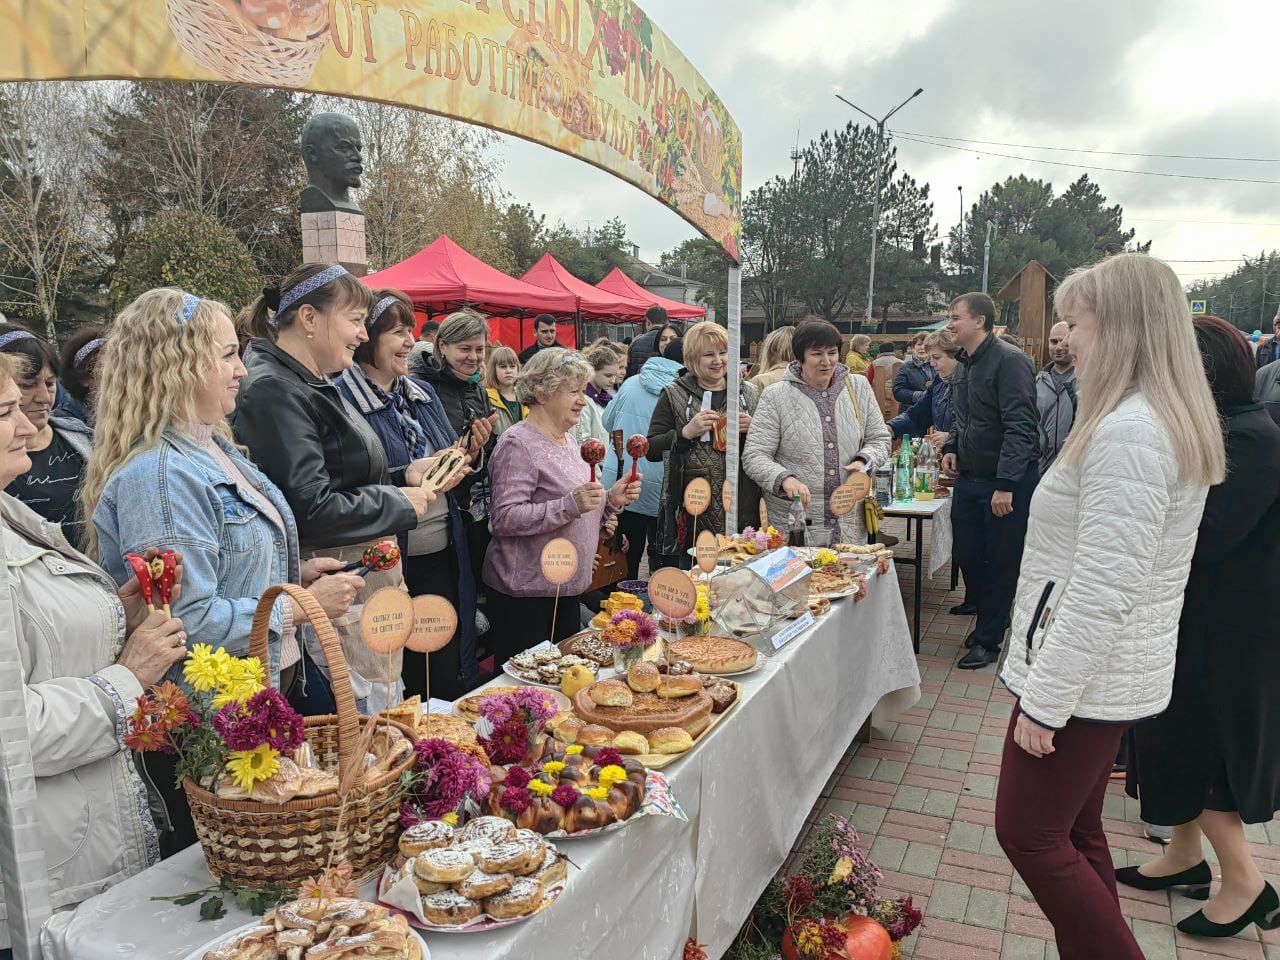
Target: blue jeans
{"points": [[989, 550]]}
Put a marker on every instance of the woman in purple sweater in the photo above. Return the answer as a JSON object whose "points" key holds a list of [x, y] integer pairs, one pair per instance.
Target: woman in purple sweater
{"points": [[542, 490]]}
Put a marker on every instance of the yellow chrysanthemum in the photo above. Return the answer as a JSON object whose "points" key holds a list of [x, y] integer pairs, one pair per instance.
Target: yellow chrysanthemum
{"points": [[553, 768], [202, 669], [241, 680], [574, 750], [540, 788], [450, 818], [598, 793], [248, 767], [612, 774], [843, 867], [824, 558]]}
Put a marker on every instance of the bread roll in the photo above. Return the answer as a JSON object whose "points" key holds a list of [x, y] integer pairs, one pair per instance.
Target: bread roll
{"points": [[611, 693], [678, 686], [428, 887], [643, 677], [448, 865], [593, 733], [449, 909], [524, 897], [480, 884], [670, 740], [630, 742], [422, 837]]}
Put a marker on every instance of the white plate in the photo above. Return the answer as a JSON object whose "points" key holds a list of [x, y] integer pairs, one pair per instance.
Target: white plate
{"points": [[506, 668], [839, 595], [199, 953]]}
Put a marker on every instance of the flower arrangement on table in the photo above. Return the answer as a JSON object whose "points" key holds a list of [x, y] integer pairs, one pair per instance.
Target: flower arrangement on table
{"points": [[758, 541], [232, 724], [511, 724], [521, 786], [829, 908], [446, 783], [824, 558], [629, 633]]}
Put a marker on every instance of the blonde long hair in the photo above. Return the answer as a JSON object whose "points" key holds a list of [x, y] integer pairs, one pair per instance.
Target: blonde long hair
{"points": [[1145, 343], [776, 349], [148, 374]]}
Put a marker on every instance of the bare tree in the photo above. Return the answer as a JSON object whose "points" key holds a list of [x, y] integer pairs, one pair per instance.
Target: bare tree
{"points": [[44, 162]]}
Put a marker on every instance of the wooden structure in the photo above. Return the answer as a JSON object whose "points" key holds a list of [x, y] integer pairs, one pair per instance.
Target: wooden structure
{"points": [[1032, 290]]}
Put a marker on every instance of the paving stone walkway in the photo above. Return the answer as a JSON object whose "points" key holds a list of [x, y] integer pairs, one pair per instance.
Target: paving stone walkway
{"points": [[922, 794]]}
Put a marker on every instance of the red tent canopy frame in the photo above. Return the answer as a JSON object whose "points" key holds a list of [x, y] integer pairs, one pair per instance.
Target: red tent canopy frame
{"points": [[619, 283], [593, 302]]}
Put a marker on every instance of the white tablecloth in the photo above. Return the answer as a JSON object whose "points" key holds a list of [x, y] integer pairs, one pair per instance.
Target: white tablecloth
{"points": [[640, 892], [939, 512]]}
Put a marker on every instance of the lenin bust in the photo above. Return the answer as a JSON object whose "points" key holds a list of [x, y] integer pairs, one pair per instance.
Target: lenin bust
{"points": [[331, 150]]}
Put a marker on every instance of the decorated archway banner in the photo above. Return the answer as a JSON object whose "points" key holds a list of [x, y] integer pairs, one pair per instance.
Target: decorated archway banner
{"points": [[595, 79]]}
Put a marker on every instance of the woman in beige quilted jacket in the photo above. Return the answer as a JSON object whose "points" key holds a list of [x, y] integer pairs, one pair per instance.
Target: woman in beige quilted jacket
{"points": [[813, 430]]}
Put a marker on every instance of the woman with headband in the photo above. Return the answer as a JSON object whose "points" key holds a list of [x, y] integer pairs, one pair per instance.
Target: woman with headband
{"points": [[60, 447], [411, 422], [165, 474], [320, 452], [78, 374]]}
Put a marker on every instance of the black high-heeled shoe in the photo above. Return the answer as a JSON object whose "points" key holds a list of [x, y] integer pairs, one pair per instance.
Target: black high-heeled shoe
{"points": [[1265, 912], [1193, 882]]}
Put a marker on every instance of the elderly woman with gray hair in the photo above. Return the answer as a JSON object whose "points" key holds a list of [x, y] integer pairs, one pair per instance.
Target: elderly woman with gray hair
{"points": [[542, 490]]}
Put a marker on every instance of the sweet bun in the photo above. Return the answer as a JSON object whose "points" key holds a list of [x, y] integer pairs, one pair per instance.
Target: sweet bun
{"points": [[672, 687], [428, 887], [521, 856], [630, 742], [643, 677], [421, 837], [554, 869], [670, 740], [611, 693], [480, 884], [493, 829], [524, 897], [565, 726], [449, 909], [592, 733], [448, 865]]}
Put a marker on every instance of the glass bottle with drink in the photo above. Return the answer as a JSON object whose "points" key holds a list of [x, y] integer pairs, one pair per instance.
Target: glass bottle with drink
{"points": [[904, 472], [926, 473], [796, 520]]}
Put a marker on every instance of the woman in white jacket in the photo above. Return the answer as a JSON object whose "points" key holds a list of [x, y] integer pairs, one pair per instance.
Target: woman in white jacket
{"points": [[1095, 623]]}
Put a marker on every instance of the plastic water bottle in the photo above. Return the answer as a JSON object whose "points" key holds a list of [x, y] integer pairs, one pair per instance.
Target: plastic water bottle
{"points": [[926, 472], [884, 484], [796, 523]]}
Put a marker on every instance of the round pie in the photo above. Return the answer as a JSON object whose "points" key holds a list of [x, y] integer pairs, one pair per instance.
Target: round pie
{"points": [[714, 654]]}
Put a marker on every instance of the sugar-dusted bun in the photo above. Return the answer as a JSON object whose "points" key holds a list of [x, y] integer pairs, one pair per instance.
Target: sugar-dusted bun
{"points": [[630, 742], [448, 865], [524, 897], [554, 869], [611, 693], [569, 730], [449, 909], [480, 884], [520, 856], [677, 686], [643, 677], [495, 829], [670, 740], [422, 837], [593, 733], [428, 887]]}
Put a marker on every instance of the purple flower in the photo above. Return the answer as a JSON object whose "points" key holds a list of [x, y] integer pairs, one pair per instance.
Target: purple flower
{"points": [[517, 777], [229, 723], [447, 776], [516, 800], [565, 795], [280, 724]]}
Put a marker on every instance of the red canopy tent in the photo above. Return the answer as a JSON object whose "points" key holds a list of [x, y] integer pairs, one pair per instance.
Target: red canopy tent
{"points": [[593, 302], [443, 277], [619, 283]]}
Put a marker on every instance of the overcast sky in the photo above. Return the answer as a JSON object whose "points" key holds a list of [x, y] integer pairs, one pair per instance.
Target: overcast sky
{"points": [[1141, 76]]}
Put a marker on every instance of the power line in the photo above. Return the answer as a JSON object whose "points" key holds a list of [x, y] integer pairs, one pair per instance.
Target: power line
{"points": [[1082, 166], [1109, 153], [1226, 223]]}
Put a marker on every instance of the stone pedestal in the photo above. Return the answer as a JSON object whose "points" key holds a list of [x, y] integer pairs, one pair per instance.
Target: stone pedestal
{"points": [[335, 236]]}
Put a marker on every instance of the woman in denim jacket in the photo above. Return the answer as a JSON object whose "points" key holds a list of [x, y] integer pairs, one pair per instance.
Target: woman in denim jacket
{"points": [[164, 474]]}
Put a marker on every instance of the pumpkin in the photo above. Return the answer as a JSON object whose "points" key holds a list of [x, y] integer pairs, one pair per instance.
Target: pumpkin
{"points": [[865, 939]]}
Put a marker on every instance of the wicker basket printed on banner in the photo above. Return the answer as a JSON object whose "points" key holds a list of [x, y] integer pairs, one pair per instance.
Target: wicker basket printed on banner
{"points": [[257, 844], [218, 37]]}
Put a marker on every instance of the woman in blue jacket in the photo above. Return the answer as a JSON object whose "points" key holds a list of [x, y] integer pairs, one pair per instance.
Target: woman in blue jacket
{"points": [[412, 423], [933, 408], [630, 411]]}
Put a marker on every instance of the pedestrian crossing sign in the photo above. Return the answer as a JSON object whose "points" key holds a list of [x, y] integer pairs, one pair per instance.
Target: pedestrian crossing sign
{"points": [[1198, 308]]}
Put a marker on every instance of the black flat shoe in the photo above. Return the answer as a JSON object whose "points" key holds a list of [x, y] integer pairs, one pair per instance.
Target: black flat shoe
{"points": [[964, 610], [971, 640], [1193, 882], [1265, 912], [977, 658]]}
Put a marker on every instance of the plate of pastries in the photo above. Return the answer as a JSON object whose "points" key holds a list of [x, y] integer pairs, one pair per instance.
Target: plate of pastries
{"points": [[589, 645], [654, 712], [321, 928], [546, 666], [486, 874], [832, 583]]}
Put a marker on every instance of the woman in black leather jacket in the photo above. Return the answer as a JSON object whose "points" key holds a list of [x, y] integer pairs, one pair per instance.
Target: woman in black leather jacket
{"points": [[317, 449]]}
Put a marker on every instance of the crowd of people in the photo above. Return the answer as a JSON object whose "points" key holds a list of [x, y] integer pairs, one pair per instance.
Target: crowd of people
{"points": [[1110, 514]]}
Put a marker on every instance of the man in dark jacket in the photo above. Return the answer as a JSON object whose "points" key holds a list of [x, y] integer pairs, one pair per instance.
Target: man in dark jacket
{"points": [[1268, 389], [646, 345], [544, 333], [994, 451], [1269, 350], [914, 376], [1056, 397]]}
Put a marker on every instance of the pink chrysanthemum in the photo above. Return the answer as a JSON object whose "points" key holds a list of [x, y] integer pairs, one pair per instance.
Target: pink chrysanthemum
{"points": [[517, 777], [516, 800], [565, 795]]}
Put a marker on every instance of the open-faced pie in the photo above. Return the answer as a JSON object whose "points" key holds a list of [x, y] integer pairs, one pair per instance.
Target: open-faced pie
{"points": [[714, 654]]}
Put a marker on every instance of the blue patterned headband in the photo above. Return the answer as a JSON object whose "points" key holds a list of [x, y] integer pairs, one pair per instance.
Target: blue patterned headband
{"points": [[15, 335], [182, 316], [86, 351], [291, 296], [380, 309]]}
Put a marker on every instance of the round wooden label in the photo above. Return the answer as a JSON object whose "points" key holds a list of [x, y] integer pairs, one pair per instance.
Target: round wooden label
{"points": [[697, 496], [672, 593], [559, 561], [435, 621], [849, 494], [707, 550], [386, 620]]}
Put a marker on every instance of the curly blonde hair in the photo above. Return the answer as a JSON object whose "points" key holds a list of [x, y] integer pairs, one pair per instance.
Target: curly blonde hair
{"points": [[547, 371], [150, 368]]}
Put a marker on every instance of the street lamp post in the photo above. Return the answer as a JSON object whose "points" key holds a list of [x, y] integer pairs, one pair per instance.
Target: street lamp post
{"points": [[875, 202], [960, 255], [986, 254]]}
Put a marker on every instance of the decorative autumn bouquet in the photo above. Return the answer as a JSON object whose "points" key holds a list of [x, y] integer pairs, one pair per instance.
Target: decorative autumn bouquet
{"points": [[758, 541], [232, 724], [511, 724], [824, 558], [444, 782], [629, 631], [521, 785], [828, 905]]}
